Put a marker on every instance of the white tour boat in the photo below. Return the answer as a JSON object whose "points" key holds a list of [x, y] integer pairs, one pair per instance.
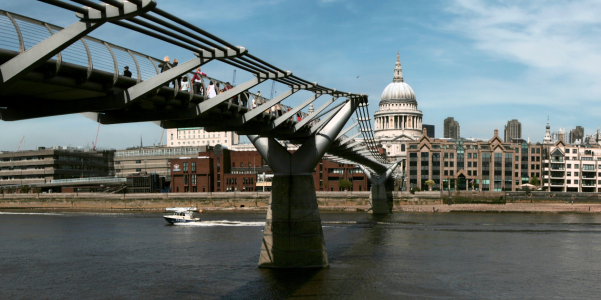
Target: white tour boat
{"points": [[181, 214]]}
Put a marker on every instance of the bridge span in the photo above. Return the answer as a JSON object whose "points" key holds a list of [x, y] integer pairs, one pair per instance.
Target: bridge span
{"points": [[47, 70]]}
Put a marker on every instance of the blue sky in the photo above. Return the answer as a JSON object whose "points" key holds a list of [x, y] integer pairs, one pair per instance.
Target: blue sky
{"points": [[481, 62]]}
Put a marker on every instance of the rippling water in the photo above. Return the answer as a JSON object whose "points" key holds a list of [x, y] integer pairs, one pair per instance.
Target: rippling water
{"points": [[403, 256]]}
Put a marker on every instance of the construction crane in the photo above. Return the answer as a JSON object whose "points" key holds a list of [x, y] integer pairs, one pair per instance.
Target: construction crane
{"points": [[20, 144], [272, 89], [234, 79], [161, 139], [96, 140]]}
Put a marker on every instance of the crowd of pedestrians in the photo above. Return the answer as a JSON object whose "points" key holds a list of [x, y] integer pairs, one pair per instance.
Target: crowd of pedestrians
{"points": [[196, 85]]}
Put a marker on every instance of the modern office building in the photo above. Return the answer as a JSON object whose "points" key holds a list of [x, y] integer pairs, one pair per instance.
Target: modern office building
{"points": [[567, 168], [513, 130], [577, 135], [431, 130], [451, 128], [45, 164], [134, 161], [460, 164]]}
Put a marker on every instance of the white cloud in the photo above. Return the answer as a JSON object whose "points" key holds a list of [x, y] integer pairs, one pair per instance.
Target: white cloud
{"points": [[555, 37]]}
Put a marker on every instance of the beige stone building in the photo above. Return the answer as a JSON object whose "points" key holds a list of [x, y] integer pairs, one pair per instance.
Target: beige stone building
{"points": [[460, 164]]}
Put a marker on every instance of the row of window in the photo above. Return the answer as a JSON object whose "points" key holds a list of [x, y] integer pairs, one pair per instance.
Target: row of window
{"points": [[203, 142]]}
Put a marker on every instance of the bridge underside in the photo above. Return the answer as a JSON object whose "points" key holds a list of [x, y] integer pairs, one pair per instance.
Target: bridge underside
{"points": [[32, 86], [44, 92]]}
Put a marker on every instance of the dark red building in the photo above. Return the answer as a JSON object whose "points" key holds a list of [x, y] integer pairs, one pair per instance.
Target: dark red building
{"points": [[194, 174], [222, 170]]}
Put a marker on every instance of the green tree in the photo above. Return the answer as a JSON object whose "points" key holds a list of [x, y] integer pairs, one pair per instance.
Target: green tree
{"points": [[25, 189], [430, 183], [344, 184], [534, 181]]}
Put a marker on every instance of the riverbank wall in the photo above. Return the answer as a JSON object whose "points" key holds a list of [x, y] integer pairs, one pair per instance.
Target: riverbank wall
{"points": [[326, 200]]}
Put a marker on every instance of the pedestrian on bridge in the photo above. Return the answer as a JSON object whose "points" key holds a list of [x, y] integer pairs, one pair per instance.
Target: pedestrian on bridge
{"points": [[126, 72], [185, 84], [179, 79], [211, 90], [197, 80]]}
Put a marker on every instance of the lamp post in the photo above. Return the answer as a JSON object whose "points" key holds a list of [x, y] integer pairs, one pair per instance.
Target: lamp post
{"points": [[82, 168]]}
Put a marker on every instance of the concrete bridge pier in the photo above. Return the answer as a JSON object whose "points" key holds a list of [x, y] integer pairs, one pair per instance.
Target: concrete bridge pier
{"points": [[380, 198], [293, 236]]}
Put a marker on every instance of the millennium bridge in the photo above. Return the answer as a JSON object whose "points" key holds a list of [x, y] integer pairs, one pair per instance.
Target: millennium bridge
{"points": [[48, 71]]}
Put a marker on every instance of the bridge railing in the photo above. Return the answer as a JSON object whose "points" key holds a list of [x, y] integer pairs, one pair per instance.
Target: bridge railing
{"points": [[90, 179]]}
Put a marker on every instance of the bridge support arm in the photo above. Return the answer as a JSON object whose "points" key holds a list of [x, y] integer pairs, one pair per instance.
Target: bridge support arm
{"points": [[293, 236], [380, 198]]}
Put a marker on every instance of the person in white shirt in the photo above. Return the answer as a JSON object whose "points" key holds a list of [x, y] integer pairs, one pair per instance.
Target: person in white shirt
{"points": [[185, 84], [211, 90]]}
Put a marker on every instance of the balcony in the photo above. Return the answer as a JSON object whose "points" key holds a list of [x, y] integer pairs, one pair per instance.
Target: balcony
{"points": [[557, 167], [557, 174], [557, 159], [557, 182]]}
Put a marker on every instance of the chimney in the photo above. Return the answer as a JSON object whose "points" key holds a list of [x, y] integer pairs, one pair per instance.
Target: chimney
{"points": [[560, 137], [496, 132], [425, 131]]}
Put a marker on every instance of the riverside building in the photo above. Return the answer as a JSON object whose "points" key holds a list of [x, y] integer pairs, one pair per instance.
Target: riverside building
{"points": [[198, 136], [568, 168], [41, 166], [461, 164]]}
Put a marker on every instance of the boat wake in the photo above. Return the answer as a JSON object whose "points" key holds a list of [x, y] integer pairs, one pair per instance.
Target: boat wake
{"points": [[221, 223], [31, 213]]}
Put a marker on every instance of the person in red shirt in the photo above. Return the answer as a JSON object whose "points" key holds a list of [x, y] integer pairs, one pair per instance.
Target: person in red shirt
{"points": [[197, 80]]}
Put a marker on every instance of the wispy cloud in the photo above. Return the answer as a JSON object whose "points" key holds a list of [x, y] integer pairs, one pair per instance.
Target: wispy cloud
{"points": [[558, 38]]}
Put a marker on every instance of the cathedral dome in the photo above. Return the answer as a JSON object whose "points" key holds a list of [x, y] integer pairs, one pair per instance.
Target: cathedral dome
{"points": [[398, 90]]}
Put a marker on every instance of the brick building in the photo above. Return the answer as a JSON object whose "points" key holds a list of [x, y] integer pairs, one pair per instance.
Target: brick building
{"points": [[328, 174], [221, 170], [192, 174], [460, 164]]}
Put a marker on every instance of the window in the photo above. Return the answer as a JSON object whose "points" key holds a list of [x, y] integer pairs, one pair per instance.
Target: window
{"points": [[575, 151], [576, 166], [576, 173], [475, 164], [569, 181], [118, 163], [452, 165], [576, 181], [446, 173], [452, 155], [469, 155], [451, 172], [446, 164], [469, 173], [569, 166], [532, 150], [241, 164], [475, 155], [138, 161], [185, 167], [138, 170], [569, 173], [446, 155], [194, 179], [185, 179], [469, 164]]}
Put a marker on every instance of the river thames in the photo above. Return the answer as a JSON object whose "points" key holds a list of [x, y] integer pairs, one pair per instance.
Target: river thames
{"points": [[68, 255]]}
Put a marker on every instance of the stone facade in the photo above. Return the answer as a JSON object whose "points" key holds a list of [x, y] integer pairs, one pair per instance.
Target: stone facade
{"points": [[398, 120], [460, 164]]}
